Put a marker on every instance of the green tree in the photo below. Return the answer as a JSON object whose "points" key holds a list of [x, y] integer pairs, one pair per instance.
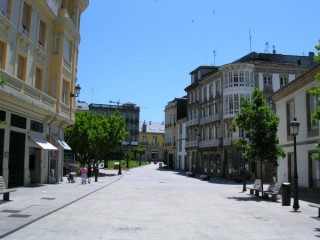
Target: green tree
{"points": [[315, 91], [2, 81], [140, 151], [93, 136], [260, 125]]}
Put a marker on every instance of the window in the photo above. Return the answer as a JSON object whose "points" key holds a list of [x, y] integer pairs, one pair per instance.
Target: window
{"points": [[204, 96], [4, 7], [67, 49], [211, 90], [65, 90], [241, 78], [36, 126], [236, 78], [283, 81], [19, 122], [267, 81], [56, 43], [144, 139], [38, 79], [21, 67], [42, 34], [217, 87], [2, 115], [154, 140], [2, 55], [26, 16], [312, 104]]}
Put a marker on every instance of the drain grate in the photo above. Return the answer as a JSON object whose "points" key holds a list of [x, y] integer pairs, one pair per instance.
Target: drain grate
{"points": [[48, 198], [19, 215], [11, 211]]}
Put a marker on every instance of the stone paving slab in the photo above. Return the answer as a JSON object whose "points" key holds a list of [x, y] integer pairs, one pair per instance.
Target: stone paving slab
{"points": [[150, 203]]}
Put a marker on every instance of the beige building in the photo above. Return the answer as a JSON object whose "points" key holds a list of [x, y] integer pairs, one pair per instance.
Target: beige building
{"points": [[214, 100], [174, 110], [151, 137], [38, 59]]}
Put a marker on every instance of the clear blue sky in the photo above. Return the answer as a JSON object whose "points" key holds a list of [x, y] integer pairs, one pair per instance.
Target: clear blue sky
{"points": [[142, 51]]}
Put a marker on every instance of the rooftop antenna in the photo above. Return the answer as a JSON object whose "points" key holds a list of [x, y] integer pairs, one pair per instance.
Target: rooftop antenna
{"points": [[117, 102], [214, 57], [250, 39], [274, 49], [266, 50]]}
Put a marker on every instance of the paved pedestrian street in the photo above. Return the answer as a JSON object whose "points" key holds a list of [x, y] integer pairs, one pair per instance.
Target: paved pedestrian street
{"points": [[149, 203]]}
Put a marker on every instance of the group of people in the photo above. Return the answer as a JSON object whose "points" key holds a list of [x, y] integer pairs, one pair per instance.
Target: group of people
{"points": [[84, 175]]}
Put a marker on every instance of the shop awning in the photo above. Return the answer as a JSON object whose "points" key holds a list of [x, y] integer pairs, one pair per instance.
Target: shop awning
{"points": [[43, 143], [61, 142]]}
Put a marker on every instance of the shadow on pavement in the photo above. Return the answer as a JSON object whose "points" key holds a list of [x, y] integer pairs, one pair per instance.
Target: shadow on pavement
{"points": [[251, 199]]}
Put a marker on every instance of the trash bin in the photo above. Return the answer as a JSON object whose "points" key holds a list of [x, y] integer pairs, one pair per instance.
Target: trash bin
{"points": [[286, 195], [160, 165]]}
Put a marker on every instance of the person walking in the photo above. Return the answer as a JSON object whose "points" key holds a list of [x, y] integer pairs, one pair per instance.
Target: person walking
{"points": [[83, 172]]}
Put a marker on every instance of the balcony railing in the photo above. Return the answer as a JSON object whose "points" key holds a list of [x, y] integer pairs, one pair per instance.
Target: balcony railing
{"points": [[209, 119], [192, 122], [209, 143], [24, 91], [192, 143]]}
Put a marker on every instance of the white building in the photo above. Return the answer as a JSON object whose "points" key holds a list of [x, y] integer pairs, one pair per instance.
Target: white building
{"points": [[292, 101]]}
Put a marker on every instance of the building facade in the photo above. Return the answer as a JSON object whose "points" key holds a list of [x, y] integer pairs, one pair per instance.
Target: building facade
{"points": [[151, 137], [38, 60], [131, 114], [214, 100], [295, 101], [174, 110]]}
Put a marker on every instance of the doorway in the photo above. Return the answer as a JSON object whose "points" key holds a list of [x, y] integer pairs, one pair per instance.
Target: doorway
{"points": [[16, 159], [35, 164]]}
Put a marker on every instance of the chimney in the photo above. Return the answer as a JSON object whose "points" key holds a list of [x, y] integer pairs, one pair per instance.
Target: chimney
{"points": [[311, 54], [149, 122], [144, 127], [299, 61]]}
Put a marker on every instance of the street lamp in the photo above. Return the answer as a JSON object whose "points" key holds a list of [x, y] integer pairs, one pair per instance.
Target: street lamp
{"points": [[77, 91], [119, 170], [294, 128]]}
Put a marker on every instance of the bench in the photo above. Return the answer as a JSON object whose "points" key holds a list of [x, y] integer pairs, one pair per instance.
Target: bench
{"points": [[273, 191], [205, 177], [4, 190], [256, 188], [316, 206], [190, 174]]}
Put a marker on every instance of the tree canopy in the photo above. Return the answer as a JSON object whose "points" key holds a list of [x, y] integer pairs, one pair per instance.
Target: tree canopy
{"points": [[260, 125], [94, 136]]}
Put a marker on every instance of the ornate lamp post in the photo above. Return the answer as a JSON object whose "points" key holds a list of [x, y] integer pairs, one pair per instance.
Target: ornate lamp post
{"points": [[77, 91], [294, 128], [119, 170]]}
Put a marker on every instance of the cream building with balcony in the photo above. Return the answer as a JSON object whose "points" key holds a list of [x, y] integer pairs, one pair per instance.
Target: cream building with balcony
{"points": [[214, 100], [38, 59]]}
